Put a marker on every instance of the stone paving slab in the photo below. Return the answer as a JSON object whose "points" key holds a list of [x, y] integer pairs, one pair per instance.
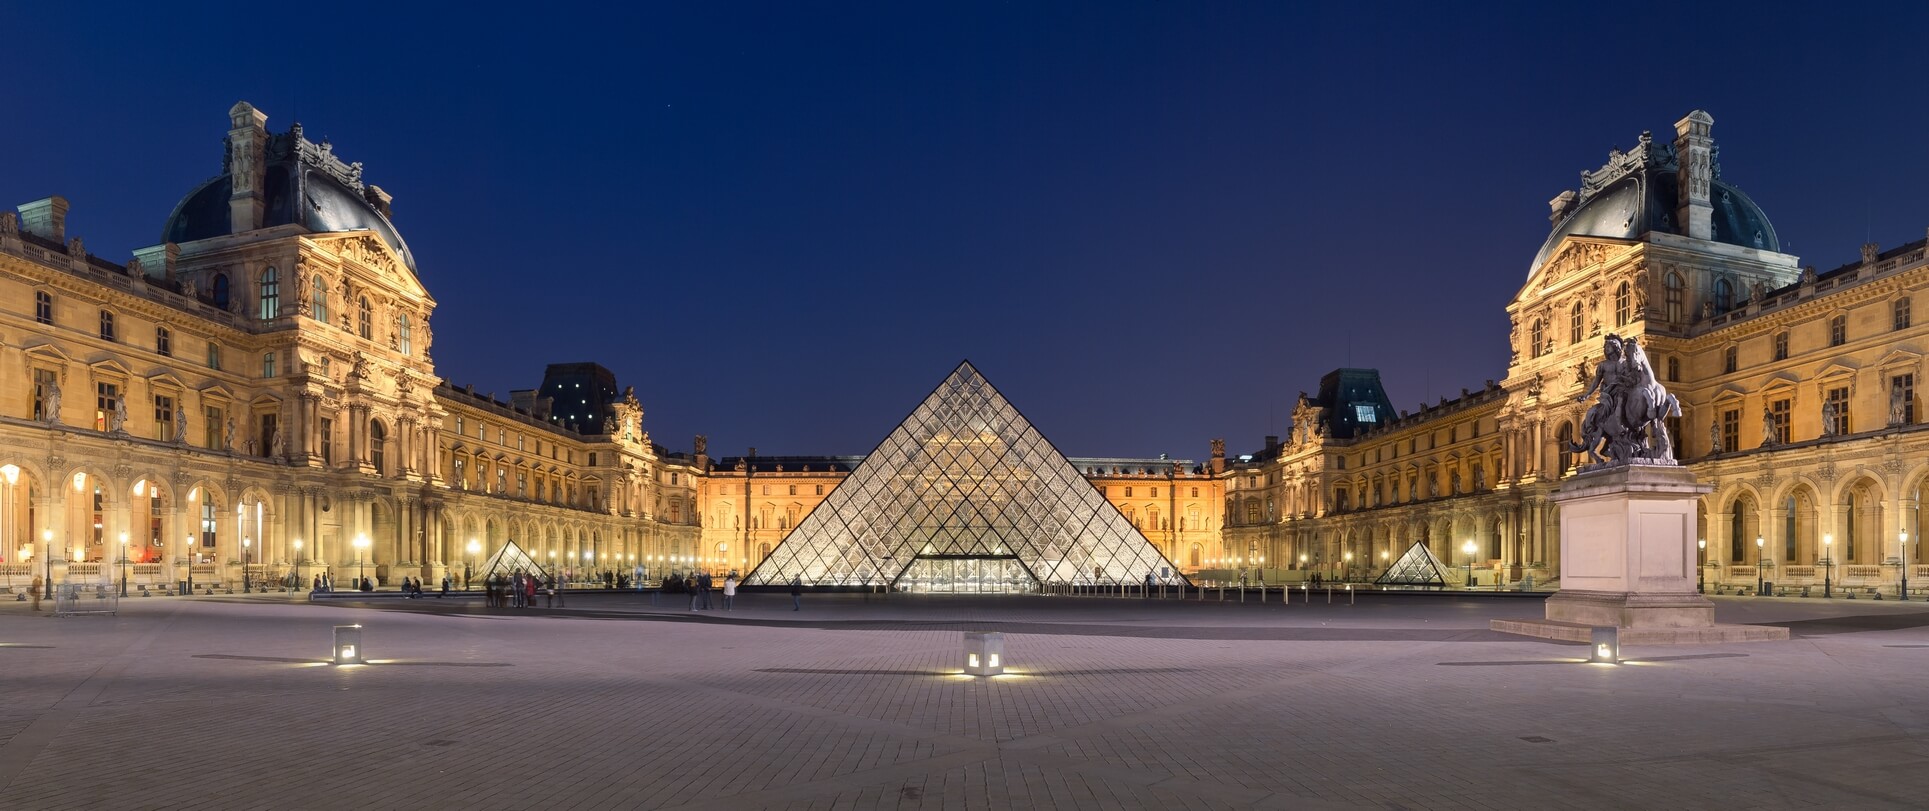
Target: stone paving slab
{"points": [[222, 703]]}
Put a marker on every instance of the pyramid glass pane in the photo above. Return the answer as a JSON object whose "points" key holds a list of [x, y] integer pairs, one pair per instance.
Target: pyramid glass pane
{"points": [[964, 496]]}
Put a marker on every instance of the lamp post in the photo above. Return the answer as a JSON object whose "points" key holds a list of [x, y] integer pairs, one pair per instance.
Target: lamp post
{"points": [[297, 565], [1468, 548], [1701, 555], [468, 562], [245, 543], [187, 548], [1383, 563], [361, 566], [1903, 563], [1828, 565], [1761, 565], [48, 589], [1349, 566]]}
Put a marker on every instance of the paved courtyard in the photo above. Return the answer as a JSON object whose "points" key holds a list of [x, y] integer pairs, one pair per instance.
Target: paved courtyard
{"points": [[1396, 702]]}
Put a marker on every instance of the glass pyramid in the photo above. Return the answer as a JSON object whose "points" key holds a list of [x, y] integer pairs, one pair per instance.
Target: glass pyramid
{"points": [[965, 495], [507, 561], [1417, 567]]}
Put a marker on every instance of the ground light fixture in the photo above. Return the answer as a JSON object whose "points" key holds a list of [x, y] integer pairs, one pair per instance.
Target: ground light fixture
{"points": [[1605, 645], [984, 653], [348, 645]]}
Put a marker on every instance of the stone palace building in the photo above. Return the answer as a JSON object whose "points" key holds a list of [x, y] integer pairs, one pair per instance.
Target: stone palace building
{"points": [[253, 400]]}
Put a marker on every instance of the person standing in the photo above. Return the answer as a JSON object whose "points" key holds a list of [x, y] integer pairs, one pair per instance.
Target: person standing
{"points": [[729, 592], [529, 591], [34, 589], [445, 585], [797, 593], [706, 584], [561, 587]]}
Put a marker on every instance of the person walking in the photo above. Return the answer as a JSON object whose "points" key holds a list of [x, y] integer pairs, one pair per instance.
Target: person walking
{"points": [[729, 592], [797, 593]]}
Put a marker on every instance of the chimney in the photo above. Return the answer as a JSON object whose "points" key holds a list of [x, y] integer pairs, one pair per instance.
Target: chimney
{"points": [[158, 262], [45, 217], [1561, 206], [1218, 463], [1694, 148], [1272, 441], [247, 170], [381, 200]]}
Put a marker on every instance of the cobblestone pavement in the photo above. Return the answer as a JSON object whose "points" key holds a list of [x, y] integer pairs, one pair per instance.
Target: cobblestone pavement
{"points": [[1396, 702]]}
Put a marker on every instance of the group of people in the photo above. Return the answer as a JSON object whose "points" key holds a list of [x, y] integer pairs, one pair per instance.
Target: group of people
{"points": [[700, 586], [518, 590]]}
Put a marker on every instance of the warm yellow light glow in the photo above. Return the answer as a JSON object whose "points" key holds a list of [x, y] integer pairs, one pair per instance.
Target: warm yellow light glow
{"points": [[348, 651], [10, 472], [994, 660], [1603, 651], [47, 535], [140, 487], [972, 660], [194, 494], [474, 547], [1760, 542], [80, 481], [123, 539], [297, 544]]}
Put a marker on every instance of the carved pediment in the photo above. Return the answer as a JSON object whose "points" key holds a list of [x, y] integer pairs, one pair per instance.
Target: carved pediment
{"points": [[217, 390], [1837, 368], [367, 250], [1899, 357], [47, 353], [164, 379], [110, 366], [1728, 394]]}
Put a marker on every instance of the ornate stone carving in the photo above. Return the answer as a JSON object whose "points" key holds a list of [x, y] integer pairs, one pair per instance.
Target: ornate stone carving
{"points": [[76, 250], [1714, 438], [1625, 425], [702, 444], [9, 224], [1218, 447]]}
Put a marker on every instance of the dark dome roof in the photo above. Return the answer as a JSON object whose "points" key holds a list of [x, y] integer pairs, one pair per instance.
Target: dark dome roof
{"points": [[327, 205], [1642, 199]]}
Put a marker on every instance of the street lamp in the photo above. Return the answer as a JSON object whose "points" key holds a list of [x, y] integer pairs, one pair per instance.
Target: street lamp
{"points": [[1761, 565], [123, 564], [1468, 548], [1349, 567], [245, 543], [187, 548], [297, 566], [48, 536], [361, 570], [1701, 555], [1903, 563], [474, 547], [1828, 565]]}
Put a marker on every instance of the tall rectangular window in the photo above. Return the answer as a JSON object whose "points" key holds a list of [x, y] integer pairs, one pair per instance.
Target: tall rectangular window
{"points": [[106, 325], [1778, 411], [328, 446], [163, 418], [43, 307], [1903, 389], [214, 356], [1838, 330], [1901, 312], [43, 386], [269, 427], [1730, 429], [1781, 346], [268, 364], [212, 429], [1730, 358], [163, 341], [1839, 399], [106, 395]]}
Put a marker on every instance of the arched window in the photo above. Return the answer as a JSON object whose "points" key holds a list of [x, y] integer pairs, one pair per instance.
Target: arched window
{"points": [[1538, 336], [1724, 296], [219, 290], [1790, 511], [364, 319], [1672, 300], [1575, 328], [402, 333], [1623, 304], [270, 294], [377, 437], [1195, 556], [210, 510], [321, 299], [1738, 532]]}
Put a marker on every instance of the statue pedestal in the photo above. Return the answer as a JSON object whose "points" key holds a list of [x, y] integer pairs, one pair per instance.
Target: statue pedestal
{"points": [[1628, 559]]}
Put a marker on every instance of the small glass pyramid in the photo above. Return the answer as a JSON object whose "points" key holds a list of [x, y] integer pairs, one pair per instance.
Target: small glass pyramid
{"points": [[507, 561], [1417, 567], [964, 496]]}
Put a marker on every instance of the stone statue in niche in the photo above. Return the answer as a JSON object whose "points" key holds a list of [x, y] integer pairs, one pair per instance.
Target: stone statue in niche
{"points": [[227, 437], [1455, 490], [1829, 413], [120, 415], [181, 426], [53, 404], [1714, 438], [1626, 424], [1768, 427]]}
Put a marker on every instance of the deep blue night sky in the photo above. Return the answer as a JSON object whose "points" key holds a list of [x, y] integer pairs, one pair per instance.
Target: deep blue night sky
{"points": [[1149, 224]]}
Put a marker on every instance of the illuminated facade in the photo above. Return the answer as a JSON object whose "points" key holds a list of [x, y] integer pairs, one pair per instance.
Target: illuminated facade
{"points": [[255, 394]]}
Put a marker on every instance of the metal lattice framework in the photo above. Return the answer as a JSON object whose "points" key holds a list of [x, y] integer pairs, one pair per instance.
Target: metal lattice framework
{"points": [[964, 476], [1419, 566], [508, 560]]}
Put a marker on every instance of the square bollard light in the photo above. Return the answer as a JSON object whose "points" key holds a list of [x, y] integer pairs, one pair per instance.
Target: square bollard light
{"points": [[984, 653], [1606, 645], [348, 645]]}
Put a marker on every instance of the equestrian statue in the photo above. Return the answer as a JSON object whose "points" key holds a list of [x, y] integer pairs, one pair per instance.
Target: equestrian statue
{"points": [[1627, 424]]}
